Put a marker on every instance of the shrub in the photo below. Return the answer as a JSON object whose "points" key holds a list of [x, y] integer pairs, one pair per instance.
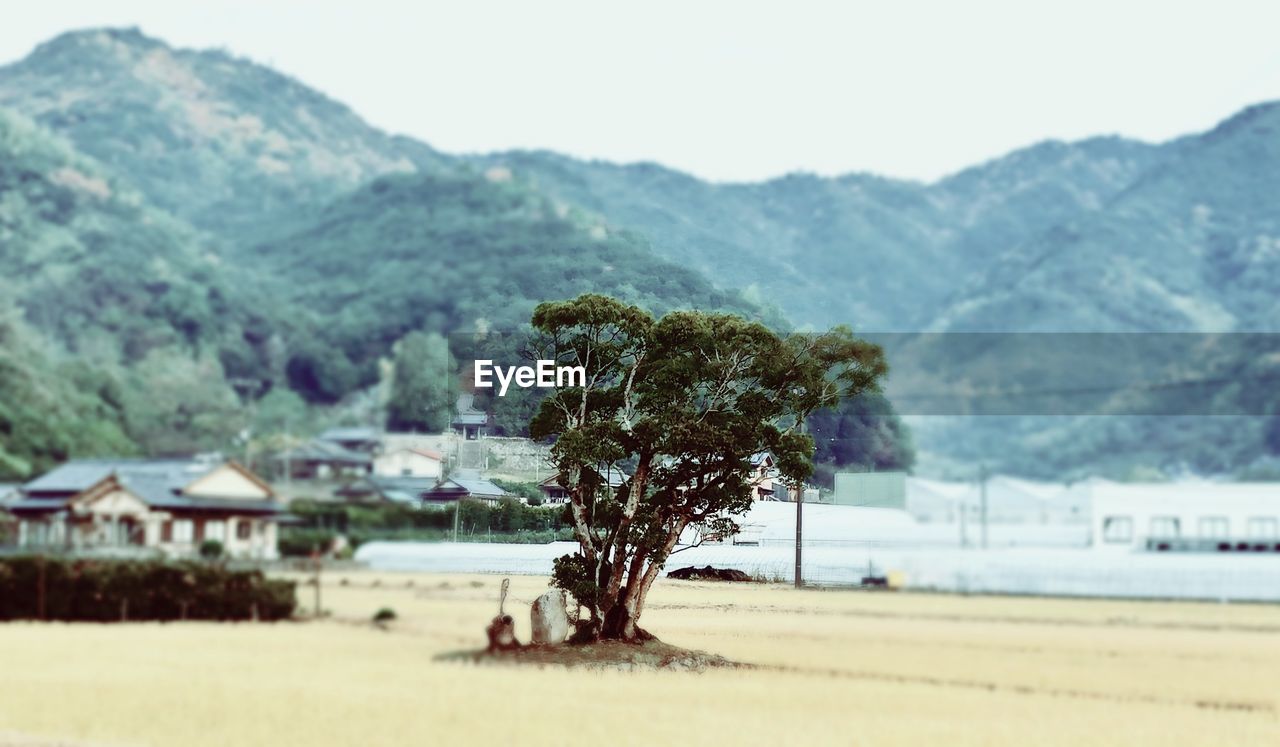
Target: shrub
{"points": [[299, 542], [211, 549], [35, 587], [384, 615]]}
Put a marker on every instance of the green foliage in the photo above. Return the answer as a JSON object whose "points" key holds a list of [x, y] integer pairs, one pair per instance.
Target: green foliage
{"points": [[48, 411], [263, 149], [109, 590], [862, 432], [292, 278], [176, 404], [687, 400], [301, 542], [877, 253], [442, 253], [211, 550], [509, 521], [384, 615], [422, 396], [529, 491]]}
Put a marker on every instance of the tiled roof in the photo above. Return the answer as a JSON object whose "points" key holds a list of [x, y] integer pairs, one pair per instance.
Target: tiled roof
{"points": [[319, 450], [469, 482], [355, 433], [158, 482], [150, 475]]}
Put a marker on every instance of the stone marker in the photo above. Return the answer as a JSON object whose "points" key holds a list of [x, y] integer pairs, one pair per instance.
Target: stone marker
{"points": [[502, 630], [550, 619]]}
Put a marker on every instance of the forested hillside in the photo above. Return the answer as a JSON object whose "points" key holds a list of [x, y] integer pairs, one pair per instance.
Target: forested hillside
{"points": [[192, 246], [225, 144], [453, 253], [879, 254], [199, 226]]}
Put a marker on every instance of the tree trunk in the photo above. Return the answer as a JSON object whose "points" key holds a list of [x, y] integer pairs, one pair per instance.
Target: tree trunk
{"points": [[621, 620]]}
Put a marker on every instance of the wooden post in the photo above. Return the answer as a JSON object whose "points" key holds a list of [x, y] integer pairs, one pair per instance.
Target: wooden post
{"points": [[315, 556], [40, 589]]}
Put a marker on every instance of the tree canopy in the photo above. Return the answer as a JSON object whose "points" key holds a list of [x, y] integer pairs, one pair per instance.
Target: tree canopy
{"points": [[681, 404]]}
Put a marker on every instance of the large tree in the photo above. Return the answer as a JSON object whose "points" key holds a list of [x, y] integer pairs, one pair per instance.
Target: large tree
{"points": [[680, 405], [421, 397]]}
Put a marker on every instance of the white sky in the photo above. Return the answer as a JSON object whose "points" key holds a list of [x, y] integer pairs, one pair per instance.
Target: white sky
{"points": [[738, 90]]}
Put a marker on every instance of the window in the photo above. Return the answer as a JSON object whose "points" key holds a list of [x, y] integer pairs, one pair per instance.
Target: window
{"points": [[37, 533], [1214, 527], [215, 531], [1117, 529], [244, 529], [166, 531], [1164, 526], [183, 530], [1262, 527]]}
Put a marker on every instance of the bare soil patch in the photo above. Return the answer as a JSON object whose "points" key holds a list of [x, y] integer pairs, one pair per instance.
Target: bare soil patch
{"points": [[605, 655]]}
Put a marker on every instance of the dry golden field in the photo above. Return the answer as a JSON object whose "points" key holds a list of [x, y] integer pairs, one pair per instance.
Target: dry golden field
{"points": [[838, 667]]}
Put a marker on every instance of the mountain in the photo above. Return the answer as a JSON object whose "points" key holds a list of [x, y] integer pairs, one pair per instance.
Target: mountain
{"points": [[875, 253], [106, 304], [218, 141], [452, 253], [286, 241], [97, 268], [182, 233], [1191, 244]]}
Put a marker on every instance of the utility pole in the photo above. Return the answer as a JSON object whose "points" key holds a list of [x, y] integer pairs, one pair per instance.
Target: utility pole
{"points": [[457, 509], [288, 460], [982, 496], [799, 526], [799, 533]]}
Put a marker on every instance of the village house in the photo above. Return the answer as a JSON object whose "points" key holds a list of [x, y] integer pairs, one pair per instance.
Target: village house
{"points": [[554, 493], [409, 462], [170, 505], [763, 476], [355, 438], [463, 484], [324, 460]]}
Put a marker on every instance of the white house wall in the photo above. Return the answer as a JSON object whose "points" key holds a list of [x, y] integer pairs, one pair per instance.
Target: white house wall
{"points": [[227, 482]]}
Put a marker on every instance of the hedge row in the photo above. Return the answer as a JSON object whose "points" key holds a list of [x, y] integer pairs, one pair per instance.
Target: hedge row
{"points": [[42, 588]]}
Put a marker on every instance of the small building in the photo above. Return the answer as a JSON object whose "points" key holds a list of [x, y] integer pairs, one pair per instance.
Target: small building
{"points": [[458, 487], [171, 505], [354, 438], [324, 460], [409, 462], [1192, 516], [372, 489], [765, 485], [469, 422], [555, 493], [871, 490]]}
